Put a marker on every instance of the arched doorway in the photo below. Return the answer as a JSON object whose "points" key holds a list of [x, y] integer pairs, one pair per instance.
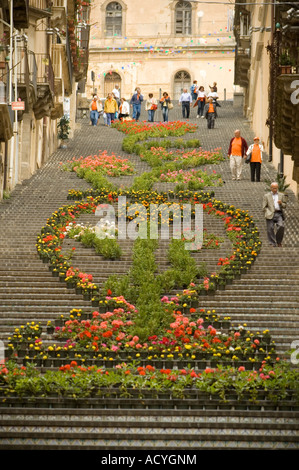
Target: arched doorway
{"points": [[182, 79], [111, 79]]}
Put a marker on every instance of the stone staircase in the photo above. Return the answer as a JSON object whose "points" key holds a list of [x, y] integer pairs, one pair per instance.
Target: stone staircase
{"points": [[146, 430], [265, 298]]}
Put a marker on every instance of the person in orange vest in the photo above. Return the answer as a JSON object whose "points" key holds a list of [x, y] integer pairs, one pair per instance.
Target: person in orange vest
{"points": [[236, 152], [94, 110], [255, 151], [210, 113]]}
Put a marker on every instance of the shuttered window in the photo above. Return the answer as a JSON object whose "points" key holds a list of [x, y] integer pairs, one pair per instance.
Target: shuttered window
{"points": [[183, 14], [113, 19]]}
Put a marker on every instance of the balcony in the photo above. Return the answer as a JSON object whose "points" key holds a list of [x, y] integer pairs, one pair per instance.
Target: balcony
{"points": [[39, 9], [242, 66], [58, 58], [286, 121], [81, 55], [45, 86], [26, 71], [59, 14], [20, 13], [6, 128], [244, 41]]}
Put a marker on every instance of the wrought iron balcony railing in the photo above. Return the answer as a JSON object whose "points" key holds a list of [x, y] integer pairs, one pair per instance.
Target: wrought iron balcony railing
{"points": [[45, 73], [39, 4]]}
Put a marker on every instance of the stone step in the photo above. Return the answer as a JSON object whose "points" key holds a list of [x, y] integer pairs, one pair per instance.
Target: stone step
{"points": [[146, 429]]}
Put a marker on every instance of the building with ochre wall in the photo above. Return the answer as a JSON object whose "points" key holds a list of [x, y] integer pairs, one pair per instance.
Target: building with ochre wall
{"points": [[160, 46], [267, 71]]}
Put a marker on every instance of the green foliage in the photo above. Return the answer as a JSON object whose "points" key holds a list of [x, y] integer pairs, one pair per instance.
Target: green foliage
{"points": [[64, 128], [280, 180]]}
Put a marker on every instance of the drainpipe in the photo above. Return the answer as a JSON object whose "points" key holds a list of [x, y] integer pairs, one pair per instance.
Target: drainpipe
{"points": [[5, 166], [281, 164], [12, 141], [16, 134], [273, 26], [10, 50]]}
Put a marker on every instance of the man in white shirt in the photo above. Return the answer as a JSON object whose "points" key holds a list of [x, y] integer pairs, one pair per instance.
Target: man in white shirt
{"points": [[273, 204], [116, 94], [184, 101], [213, 94]]}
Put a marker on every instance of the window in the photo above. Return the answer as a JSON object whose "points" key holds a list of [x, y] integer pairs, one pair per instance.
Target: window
{"points": [[183, 12], [113, 19], [244, 24]]}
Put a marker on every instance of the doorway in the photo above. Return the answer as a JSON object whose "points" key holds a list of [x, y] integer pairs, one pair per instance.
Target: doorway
{"points": [[182, 79], [111, 79]]}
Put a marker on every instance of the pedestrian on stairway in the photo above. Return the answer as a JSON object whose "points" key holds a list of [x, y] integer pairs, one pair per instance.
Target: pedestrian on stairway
{"points": [[95, 108], [210, 113], [200, 102], [165, 102], [124, 109], [193, 90], [185, 101], [110, 108], [236, 152], [213, 87], [150, 107], [213, 94], [274, 203], [136, 101], [255, 151]]}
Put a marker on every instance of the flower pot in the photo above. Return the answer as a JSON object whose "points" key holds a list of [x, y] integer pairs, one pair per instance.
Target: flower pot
{"points": [[285, 69]]}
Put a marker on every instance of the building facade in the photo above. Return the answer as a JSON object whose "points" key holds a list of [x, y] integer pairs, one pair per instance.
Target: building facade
{"points": [[163, 45], [42, 59], [267, 70]]}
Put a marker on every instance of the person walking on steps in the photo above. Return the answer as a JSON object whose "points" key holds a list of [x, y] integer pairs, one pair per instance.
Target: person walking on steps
{"points": [[255, 153], [193, 90], [95, 108], [165, 103], [274, 203], [124, 109], [236, 152], [200, 102], [150, 107], [110, 108], [210, 113], [185, 101], [136, 101]]}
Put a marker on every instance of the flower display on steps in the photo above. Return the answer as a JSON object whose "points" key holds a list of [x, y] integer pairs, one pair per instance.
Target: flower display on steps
{"points": [[138, 335]]}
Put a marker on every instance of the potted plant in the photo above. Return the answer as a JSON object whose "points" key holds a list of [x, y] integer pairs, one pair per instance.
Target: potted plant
{"points": [[285, 63], [63, 130]]}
